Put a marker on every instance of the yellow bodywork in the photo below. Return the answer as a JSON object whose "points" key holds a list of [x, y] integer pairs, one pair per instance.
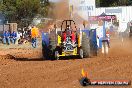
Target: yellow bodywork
{"points": [[68, 53], [79, 40], [59, 40]]}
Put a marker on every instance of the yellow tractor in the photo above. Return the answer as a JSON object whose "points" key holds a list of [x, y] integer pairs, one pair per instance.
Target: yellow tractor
{"points": [[66, 41]]}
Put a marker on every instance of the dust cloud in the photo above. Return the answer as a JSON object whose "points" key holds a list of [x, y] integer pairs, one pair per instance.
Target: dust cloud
{"points": [[58, 12]]}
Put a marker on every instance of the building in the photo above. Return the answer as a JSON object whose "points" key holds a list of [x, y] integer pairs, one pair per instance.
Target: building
{"points": [[87, 8]]}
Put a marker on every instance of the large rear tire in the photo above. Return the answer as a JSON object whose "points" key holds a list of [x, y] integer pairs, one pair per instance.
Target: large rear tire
{"points": [[93, 48], [44, 50], [48, 51], [85, 46]]}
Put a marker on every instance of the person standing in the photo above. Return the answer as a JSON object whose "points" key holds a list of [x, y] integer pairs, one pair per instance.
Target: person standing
{"points": [[34, 35], [18, 38]]}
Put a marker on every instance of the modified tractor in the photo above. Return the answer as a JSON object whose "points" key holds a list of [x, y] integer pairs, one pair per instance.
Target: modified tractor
{"points": [[66, 41]]}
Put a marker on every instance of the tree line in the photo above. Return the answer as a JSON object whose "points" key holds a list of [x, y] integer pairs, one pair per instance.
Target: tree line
{"points": [[108, 3], [23, 10]]}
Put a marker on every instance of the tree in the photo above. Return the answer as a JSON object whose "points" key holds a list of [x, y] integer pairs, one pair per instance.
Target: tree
{"points": [[108, 3], [129, 2], [45, 6], [97, 3], [18, 10], [27, 9], [8, 9]]}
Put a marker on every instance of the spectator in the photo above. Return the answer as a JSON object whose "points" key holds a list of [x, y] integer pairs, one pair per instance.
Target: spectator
{"points": [[18, 37], [6, 37], [13, 37], [34, 35]]}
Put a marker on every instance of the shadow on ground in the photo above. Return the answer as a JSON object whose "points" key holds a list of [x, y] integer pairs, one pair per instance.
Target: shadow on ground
{"points": [[9, 56], [28, 59], [43, 59]]}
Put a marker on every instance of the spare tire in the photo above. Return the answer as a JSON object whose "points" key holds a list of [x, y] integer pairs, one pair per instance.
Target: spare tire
{"points": [[85, 45]]}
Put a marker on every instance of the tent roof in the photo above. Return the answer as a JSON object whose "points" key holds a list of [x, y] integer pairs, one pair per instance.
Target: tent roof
{"points": [[103, 14]]}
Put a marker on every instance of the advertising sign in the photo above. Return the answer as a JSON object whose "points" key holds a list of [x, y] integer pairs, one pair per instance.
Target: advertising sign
{"points": [[84, 8], [107, 17]]}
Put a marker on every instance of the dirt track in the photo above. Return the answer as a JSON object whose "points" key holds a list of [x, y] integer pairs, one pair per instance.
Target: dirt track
{"points": [[26, 70]]}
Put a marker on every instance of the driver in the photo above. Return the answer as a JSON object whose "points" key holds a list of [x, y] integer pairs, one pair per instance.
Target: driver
{"points": [[70, 33]]}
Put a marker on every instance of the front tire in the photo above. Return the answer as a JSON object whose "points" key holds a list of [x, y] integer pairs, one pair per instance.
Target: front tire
{"points": [[48, 51], [56, 55], [81, 53]]}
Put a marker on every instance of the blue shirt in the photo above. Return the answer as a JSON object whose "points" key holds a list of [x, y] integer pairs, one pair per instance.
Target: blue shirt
{"points": [[14, 34], [45, 38], [6, 34]]}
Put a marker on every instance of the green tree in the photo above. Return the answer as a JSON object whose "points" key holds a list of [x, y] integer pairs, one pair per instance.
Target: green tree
{"points": [[18, 10], [129, 2], [7, 7], [108, 3], [97, 3], [27, 9], [45, 6]]}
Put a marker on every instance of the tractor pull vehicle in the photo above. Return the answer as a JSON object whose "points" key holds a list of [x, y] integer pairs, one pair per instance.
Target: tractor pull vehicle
{"points": [[66, 41]]}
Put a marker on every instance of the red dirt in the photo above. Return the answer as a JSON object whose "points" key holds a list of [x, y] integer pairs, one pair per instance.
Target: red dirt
{"points": [[23, 68]]}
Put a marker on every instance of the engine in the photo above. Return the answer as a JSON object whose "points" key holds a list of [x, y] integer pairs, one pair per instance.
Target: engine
{"points": [[68, 44]]}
